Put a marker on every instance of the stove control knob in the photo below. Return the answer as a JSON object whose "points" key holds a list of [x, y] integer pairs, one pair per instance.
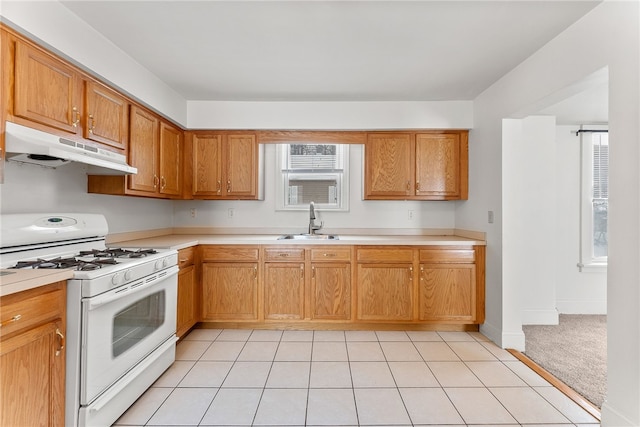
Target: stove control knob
{"points": [[158, 264], [128, 275], [116, 279], [165, 262]]}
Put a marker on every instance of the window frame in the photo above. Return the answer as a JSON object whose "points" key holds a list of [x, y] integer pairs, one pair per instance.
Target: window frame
{"points": [[284, 174], [588, 261]]}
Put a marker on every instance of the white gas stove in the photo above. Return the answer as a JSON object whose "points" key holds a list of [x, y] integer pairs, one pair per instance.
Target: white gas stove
{"points": [[121, 308]]}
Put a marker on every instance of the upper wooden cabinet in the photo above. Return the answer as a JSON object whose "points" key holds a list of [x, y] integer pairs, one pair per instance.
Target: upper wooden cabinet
{"points": [[224, 166], [105, 118], [417, 166], [50, 92], [155, 149]]}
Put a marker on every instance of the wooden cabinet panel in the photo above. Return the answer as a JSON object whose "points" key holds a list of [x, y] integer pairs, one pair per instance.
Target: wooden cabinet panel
{"points": [[32, 357], [284, 254], [207, 170], [241, 166], [448, 292], [106, 115], [143, 149], [389, 165], [395, 254], [47, 90], [283, 291], [186, 256], [230, 253], [187, 303], [169, 161], [331, 291], [438, 165], [330, 254], [229, 291], [447, 255], [385, 292]]}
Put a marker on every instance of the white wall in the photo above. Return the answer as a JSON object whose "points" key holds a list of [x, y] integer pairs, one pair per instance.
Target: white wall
{"points": [[529, 215], [607, 36], [30, 188], [52, 24], [576, 292]]}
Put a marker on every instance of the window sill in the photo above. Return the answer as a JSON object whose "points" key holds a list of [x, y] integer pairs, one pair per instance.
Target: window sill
{"points": [[594, 267]]}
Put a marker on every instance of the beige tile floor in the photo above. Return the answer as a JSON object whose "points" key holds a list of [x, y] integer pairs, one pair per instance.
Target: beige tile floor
{"points": [[349, 378]]}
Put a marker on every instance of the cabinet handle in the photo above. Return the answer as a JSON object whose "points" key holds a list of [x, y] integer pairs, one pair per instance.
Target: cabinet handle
{"points": [[421, 273], [302, 271], [283, 254], [163, 183], [313, 272], [408, 185], [61, 337], [183, 260], [329, 254], [417, 186], [92, 123], [228, 186], [410, 273], [155, 181], [76, 117], [255, 273], [219, 187], [13, 319]]}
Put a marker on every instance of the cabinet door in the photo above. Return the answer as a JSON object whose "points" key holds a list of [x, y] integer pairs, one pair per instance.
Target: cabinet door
{"points": [[331, 291], [229, 291], [439, 163], [170, 182], [385, 291], [448, 292], [187, 302], [32, 375], [241, 166], [105, 118], [283, 290], [143, 150], [46, 90], [207, 173], [389, 166]]}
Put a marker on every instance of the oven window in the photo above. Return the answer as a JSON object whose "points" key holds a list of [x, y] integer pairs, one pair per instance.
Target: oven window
{"points": [[137, 321]]}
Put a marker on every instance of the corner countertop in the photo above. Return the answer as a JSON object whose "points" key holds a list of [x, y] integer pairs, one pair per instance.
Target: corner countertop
{"points": [[181, 241], [13, 281]]}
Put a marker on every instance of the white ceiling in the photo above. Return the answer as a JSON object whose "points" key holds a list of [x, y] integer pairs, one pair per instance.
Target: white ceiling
{"points": [[330, 51]]}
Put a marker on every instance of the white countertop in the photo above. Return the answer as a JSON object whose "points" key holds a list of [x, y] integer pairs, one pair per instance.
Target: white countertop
{"points": [[12, 281], [181, 241]]}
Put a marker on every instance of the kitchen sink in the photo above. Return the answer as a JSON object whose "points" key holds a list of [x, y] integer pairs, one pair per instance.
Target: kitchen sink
{"points": [[308, 237]]}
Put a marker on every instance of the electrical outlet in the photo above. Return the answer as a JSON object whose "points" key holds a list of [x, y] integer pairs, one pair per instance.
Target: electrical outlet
{"points": [[410, 215], [490, 217], [194, 213], [230, 212]]}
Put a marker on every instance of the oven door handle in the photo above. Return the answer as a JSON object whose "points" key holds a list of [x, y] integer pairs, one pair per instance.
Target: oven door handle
{"points": [[133, 287]]}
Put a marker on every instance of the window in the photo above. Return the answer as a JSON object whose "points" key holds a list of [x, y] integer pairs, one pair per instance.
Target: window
{"points": [[313, 173], [595, 198]]}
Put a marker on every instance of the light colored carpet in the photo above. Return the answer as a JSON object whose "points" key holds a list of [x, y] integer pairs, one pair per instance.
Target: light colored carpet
{"points": [[575, 352]]}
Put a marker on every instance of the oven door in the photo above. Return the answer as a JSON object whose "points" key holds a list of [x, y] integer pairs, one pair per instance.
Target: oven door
{"points": [[123, 326]]}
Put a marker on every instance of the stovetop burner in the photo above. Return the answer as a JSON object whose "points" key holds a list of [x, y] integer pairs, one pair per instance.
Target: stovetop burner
{"points": [[118, 253], [73, 263]]}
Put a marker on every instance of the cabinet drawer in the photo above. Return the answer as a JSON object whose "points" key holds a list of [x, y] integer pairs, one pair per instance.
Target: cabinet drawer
{"points": [[284, 254], [448, 255], [330, 254], [24, 310], [186, 257], [385, 255], [230, 253]]}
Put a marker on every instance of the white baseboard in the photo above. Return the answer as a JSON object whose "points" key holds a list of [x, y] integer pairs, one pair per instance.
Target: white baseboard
{"points": [[514, 340], [612, 418], [491, 332], [581, 307], [540, 317]]}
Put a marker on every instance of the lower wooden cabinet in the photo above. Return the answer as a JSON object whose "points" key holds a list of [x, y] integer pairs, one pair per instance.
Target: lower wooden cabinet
{"points": [[32, 357], [187, 304], [349, 284]]}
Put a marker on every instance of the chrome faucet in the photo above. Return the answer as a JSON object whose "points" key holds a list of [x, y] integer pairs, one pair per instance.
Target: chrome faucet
{"points": [[313, 227]]}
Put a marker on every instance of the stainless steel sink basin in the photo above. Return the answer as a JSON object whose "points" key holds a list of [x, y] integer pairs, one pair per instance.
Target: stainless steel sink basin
{"points": [[308, 237]]}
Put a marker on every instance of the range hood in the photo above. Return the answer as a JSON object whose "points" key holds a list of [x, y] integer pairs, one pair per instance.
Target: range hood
{"points": [[26, 145]]}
